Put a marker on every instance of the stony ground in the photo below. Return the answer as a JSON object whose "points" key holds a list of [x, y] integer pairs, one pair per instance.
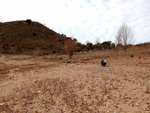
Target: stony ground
{"points": [[38, 85]]}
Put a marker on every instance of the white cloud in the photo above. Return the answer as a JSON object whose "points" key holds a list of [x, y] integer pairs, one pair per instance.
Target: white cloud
{"points": [[86, 20]]}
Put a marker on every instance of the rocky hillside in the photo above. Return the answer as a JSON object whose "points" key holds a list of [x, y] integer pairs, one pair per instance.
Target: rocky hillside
{"points": [[28, 37]]}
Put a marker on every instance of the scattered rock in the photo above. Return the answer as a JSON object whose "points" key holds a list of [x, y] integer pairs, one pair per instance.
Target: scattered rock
{"points": [[132, 56], [69, 62]]}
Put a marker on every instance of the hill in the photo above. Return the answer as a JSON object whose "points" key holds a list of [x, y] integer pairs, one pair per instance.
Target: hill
{"points": [[28, 37]]}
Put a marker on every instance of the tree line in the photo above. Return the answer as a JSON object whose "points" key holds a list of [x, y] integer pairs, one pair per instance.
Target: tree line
{"points": [[98, 46], [124, 37]]}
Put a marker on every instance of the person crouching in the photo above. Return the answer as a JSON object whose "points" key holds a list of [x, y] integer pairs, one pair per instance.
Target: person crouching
{"points": [[103, 63]]}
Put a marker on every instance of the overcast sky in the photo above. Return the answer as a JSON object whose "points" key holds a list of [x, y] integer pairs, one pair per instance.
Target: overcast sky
{"points": [[86, 20]]}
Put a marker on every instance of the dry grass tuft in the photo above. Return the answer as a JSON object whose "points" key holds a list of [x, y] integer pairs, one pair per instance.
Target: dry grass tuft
{"points": [[3, 77]]}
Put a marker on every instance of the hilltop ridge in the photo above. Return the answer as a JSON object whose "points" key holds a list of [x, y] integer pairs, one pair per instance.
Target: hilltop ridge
{"points": [[27, 36]]}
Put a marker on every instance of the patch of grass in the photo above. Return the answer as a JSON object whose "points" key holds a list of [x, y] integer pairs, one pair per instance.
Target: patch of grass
{"points": [[96, 54], [4, 67], [3, 77]]}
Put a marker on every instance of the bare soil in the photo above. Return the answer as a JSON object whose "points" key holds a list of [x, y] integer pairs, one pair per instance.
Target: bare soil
{"points": [[38, 85]]}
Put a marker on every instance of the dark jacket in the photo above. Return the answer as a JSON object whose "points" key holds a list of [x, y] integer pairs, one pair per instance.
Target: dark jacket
{"points": [[103, 63]]}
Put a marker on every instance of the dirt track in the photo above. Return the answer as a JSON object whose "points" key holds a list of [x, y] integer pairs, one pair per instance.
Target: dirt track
{"points": [[36, 85]]}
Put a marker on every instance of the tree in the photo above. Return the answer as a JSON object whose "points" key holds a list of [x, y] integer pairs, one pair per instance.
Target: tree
{"points": [[70, 46], [106, 45], [98, 46], [125, 36], [80, 47], [89, 46]]}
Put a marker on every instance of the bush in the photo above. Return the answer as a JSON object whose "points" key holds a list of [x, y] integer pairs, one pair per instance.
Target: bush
{"points": [[70, 46], [29, 21]]}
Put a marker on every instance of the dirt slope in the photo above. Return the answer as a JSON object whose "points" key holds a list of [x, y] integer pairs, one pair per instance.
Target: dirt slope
{"points": [[38, 86]]}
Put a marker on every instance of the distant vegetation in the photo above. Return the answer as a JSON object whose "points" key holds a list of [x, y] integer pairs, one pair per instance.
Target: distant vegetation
{"points": [[98, 46], [29, 37], [125, 36], [70, 46]]}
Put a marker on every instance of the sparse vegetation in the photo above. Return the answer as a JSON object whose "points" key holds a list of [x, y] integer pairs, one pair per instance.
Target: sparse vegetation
{"points": [[43, 84], [125, 36], [70, 46], [24, 37], [84, 88], [29, 21]]}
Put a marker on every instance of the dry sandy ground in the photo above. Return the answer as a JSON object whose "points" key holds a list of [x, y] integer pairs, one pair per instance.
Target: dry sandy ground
{"points": [[37, 85]]}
